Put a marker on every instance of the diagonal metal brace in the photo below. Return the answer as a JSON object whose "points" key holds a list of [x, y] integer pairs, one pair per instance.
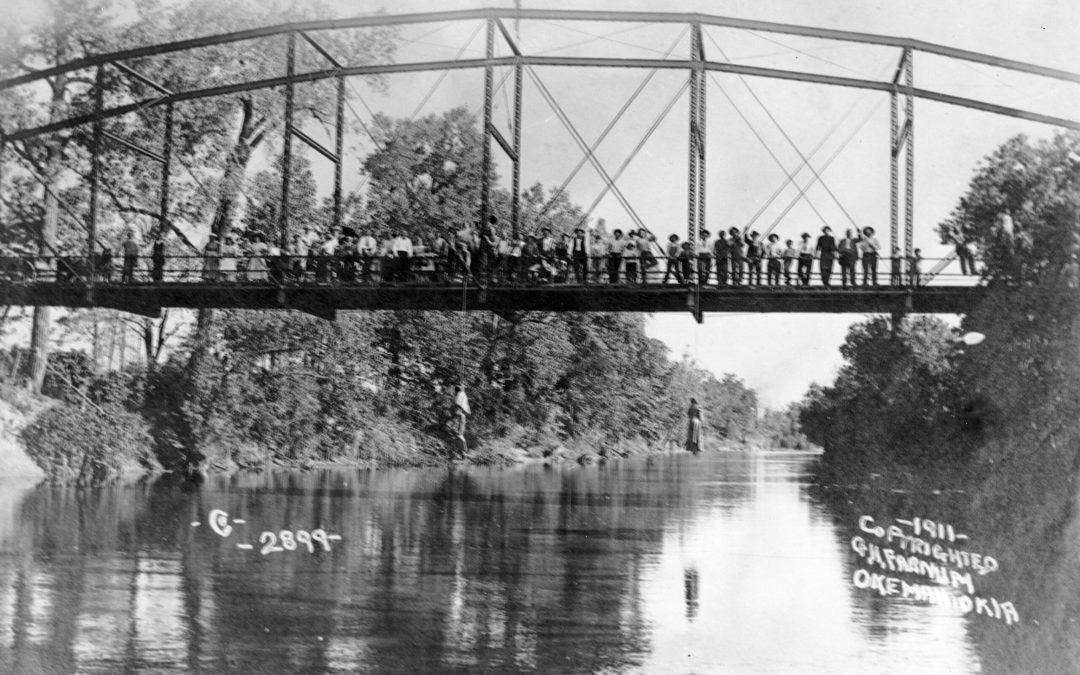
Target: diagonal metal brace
{"points": [[315, 145], [132, 146], [322, 50], [142, 78], [902, 138], [509, 149], [506, 36]]}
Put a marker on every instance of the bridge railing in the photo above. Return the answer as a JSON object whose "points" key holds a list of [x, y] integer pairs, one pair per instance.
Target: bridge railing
{"points": [[431, 270]]}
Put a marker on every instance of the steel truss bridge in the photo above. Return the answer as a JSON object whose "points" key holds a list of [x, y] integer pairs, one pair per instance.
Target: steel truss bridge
{"points": [[121, 71]]}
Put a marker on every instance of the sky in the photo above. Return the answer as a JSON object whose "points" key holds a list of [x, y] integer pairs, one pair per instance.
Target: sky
{"points": [[758, 131]]}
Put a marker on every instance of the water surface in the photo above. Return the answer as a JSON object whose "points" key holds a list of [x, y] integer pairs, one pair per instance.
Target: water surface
{"points": [[721, 563]]}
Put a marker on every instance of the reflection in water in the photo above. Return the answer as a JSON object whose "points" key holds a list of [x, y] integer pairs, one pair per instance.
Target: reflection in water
{"points": [[671, 564]]}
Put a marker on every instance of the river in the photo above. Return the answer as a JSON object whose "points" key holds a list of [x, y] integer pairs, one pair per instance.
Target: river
{"points": [[726, 562]]}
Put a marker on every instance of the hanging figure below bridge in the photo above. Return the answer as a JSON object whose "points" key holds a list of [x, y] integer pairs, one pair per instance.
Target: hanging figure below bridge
{"points": [[461, 414], [693, 427]]}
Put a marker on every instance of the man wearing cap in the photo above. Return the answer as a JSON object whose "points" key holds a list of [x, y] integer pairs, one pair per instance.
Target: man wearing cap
{"points": [[736, 248], [615, 255], [631, 256], [367, 248], [826, 253], [721, 253], [773, 253], [755, 251], [806, 259], [401, 250], [673, 249], [648, 259], [704, 255], [868, 247], [849, 256], [598, 251], [790, 255], [579, 256], [130, 248]]}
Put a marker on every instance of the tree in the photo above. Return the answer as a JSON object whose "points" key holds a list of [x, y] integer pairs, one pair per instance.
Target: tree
{"points": [[68, 29], [1038, 186], [425, 173], [895, 398]]}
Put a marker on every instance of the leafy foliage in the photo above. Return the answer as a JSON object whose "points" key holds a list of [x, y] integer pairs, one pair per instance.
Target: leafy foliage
{"points": [[87, 445], [915, 397], [1038, 186]]}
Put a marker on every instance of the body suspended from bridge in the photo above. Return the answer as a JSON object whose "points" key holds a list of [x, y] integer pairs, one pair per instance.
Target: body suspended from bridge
{"points": [[693, 427], [461, 415]]}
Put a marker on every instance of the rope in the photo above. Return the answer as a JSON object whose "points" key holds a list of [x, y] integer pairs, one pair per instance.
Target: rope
{"points": [[462, 326]]}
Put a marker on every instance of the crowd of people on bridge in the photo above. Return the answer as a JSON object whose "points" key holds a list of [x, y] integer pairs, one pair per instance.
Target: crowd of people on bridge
{"points": [[480, 254], [734, 258]]}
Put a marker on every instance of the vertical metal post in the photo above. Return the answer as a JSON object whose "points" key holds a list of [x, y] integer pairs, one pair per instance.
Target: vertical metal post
{"points": [[489, 87], [286, 153], [166, 167], [692, 164], [894, 173], [696, 178], [3, 147], [95, 177], [515, 200], [701, 126], [909, 180], [339, 148]]}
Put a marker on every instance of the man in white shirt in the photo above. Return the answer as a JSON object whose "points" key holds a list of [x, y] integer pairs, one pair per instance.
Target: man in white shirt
{"points": [[806, 251], [401, 250], [367, 247], [598, 251], [704, 256], [868, 248]]}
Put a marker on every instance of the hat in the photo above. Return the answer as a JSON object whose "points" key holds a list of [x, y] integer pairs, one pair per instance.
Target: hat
{"points": [[805, 235], [868, 231], [774, 237], [704, 233], [579, 229], [673, 238], [826, 229]]}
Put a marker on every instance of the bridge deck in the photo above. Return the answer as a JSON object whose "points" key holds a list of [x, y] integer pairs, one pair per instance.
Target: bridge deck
{"points": [[325, 299]]}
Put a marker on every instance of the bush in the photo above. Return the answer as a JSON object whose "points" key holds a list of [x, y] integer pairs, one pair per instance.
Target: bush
{"points": [[88, 446]]}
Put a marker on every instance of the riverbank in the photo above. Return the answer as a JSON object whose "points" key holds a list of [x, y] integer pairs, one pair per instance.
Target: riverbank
{"points": [[45, 438], [18, 409]]}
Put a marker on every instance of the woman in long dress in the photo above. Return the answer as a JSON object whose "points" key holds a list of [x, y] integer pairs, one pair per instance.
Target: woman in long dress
{"points": [[693, 427], [256, 264], [227, 265]]}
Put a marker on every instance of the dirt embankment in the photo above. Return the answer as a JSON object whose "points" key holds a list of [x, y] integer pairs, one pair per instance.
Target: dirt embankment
{"points": [[18, 409]]}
